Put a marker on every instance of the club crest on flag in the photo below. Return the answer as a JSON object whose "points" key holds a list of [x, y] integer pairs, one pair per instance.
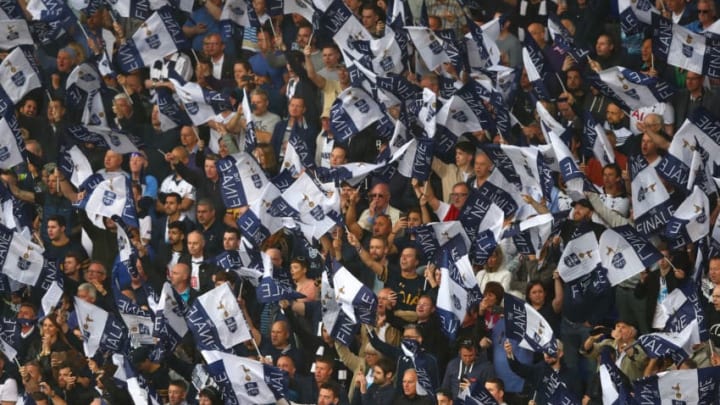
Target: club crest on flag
{"points": [[114, 139], [153, 40], [4, 153], [109, 197], [250, 386], [192, 107], [23, 262], [701, 218], [86, 327], [618, 259], [12, 34], [387, 63], [687, 48], [230, 321], [238, 11], [435, 46], [361, 105], [458, 115], [642, 193], [301, 4], [571, 260], [18, 78]]}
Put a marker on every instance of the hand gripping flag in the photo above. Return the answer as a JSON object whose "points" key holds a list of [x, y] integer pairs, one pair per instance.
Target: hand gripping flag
{"points": [[352, 111], [12, 145], [527, 326], [458, 291], [159, 36], [216, 321], [18, 76], [625, 253], [242, 179], [100, 329], [245, 381], [21, 259]]}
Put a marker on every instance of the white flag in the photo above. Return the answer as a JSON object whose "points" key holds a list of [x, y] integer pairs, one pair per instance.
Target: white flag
{"points": [[580, 257]]}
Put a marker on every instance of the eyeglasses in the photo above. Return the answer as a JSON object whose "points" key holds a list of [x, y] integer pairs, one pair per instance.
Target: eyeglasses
{"points": [[376, 196], [456, 195]]}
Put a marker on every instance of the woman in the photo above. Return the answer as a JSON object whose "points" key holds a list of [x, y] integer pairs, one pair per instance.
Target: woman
{"points": [[495, 270], [490, 312], [54, 349], [538, 299], [209, 396], [303, 284]]}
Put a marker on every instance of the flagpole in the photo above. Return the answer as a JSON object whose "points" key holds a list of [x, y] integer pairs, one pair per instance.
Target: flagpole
{"points": [[561, 82], [669, 262], [257, 349]]}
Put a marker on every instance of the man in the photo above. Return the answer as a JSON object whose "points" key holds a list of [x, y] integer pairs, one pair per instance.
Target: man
{"points": [[263, 120], [59, 244], [381, 392], [407, 284], [212, 229], [629, 357], [64, 64], [201, 273], [112, 165], [545, 376], [69, 389], [467, 366], [679, 12], [161, 228], [299, 389], [278, 343], [617, 121], [496, 388], [461, 170], [180, 282], [443, 397], [72, 271], [694, 95], [482, 168], [296, 121], [191, 141], [175, 250], [371, 20], [268, 63], [324, 370], [331, 58], [177, 391], [443, 210], [712, 314], [125, 118], [29, 336], [409, 390], [214, 49], [605, 53], [329, 394], [379, 197], [175, 183], [96, 275]]}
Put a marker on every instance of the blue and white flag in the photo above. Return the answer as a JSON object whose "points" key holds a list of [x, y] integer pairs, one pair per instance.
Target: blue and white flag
{"points": [[216, 320], [636, 15], [336, 320], [298, 155], [245, 381], [596, 142], [104, 137], [625, 253], [529, 235], [677, 45], [317, 211], [504, 193], [82, 81], [250, 138], [481, 43], [483, 223], [18, 77], [342, 24], [353, 110], [410, 349], [8, 350], [432, 48], [695, 386], [535, 66], [21, 259], [134, 383], [171, 114], [527, 326], [137, 9], [614, 391], [273, 288], [575, 180], [357, 300], [200, 104], [54, 287], [257, 224], [242, 179], [74, 165], [431, 238], [562, 395], [650, 200], [12, 145], [52, 11], [170, 326], [100, 329], [476, 394], [387, 53], [633, 89], [564, 40], [234, 17], [458, 291], [159, 36], [675, 345], [691, 220], [522, 167], [111, 197], [700, 128], [682, 309], [580, 257], [352, 173], [14, 33]]}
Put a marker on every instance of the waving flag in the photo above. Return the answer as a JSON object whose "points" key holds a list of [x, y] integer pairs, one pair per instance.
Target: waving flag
{"points": [[633, 89], [357, 300], [200, 104], [580, 257], [636, 15], [171, 114], [432, 49], [216, 321], [17, 78], [700, 128], [339, 324], [529, 235], [272, 288], [138, 321], [698, 386], [483, 223], [14, 32], [159, 36], [535, 66], [481, 43], [134, 383], [74, 166], [458, 291], [614, 391], [104, 137], [315, 212], [100, 329], [12, 145], [339, 21], [242, 179], [137, 9], [596, 142], [21, 259], [690, 222], [82, 81], [424, 384], [675, 345], [170, 326], [682, 309], [111, 197], [52, 11], [431, 238], [526, 325], [476, 394], [352, 111], [564, 40], [298, 155], [53, 285], [245, 381], [257, 224], [651, 208], [625, 253], [678, 46]]}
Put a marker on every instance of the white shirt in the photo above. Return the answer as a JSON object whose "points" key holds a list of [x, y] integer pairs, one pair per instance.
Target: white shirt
{"points": [[8, 391], [217, 67]]}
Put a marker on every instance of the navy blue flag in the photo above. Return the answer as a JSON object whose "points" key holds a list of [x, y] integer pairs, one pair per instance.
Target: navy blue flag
{"points": [[101, 331], [275, 284], [244, 381], [528, 326], [242, 179], [216, 320], [170, 108], [458, 290]]}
